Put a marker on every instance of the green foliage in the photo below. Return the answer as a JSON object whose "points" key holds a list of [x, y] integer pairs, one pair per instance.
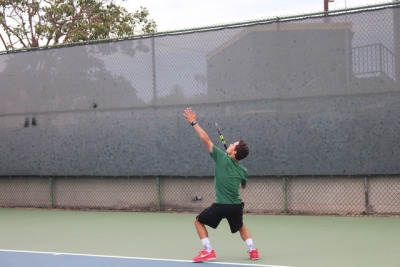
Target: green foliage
{"points": [[34, 23]]}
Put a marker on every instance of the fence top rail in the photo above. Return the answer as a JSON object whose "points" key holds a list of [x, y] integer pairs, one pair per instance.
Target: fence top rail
{"points": [[186, 177]]}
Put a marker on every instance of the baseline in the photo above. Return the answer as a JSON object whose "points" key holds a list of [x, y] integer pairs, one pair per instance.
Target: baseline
{"points": [[20, 258]]}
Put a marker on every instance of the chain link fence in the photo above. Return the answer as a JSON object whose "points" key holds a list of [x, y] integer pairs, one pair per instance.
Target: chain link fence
{"points": [[316, 97], [368, 195]]}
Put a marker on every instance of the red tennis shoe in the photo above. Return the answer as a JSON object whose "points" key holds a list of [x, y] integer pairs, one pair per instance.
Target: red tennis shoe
{"points": [[204, 255], [253, 254]]}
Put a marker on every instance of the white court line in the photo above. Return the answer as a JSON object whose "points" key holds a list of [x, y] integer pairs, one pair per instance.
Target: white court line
{"points": [[134, 258]]}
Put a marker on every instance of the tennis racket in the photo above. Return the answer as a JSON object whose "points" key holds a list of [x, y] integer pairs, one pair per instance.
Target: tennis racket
{"points": [[221, 136]]}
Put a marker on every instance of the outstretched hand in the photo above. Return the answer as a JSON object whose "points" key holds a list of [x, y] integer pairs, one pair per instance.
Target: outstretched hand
{"points": [[189, 114]]}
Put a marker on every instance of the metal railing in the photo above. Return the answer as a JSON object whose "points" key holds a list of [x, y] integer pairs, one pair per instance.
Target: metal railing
{"points": [[374, 60]]}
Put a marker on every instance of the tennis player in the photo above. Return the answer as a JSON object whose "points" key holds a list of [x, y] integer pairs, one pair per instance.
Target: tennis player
{"points": [[229, 175]]}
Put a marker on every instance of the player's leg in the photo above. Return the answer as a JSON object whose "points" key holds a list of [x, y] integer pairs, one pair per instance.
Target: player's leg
{"points": [[200, 228], [246, 236], [244, 233], [210, 216], [235, 220]]}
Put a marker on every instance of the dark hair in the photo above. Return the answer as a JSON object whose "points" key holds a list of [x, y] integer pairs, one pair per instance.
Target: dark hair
{"points": [[242, 150]]}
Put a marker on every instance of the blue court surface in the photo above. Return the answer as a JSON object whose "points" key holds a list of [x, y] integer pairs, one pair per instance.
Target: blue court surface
{"points": [[14, 258]]}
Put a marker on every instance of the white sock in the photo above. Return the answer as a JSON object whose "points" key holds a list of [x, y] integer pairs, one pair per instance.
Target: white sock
{"points": [[250, 244], [206, 244]]}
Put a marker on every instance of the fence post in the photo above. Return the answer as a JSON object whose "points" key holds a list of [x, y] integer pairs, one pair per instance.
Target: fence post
{"points": [[367, 208], [285, 203], [51, 184], [153, 64], [158, 194], [381, 72]]}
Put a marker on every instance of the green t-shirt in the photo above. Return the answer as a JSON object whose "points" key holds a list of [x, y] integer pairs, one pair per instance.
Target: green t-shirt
{"points": [[229, 174]]}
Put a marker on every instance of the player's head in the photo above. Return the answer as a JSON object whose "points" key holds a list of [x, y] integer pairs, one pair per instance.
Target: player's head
{"points": [[241, 149]]}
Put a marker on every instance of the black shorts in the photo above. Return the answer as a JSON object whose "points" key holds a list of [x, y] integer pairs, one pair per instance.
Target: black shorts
{"points": [[213, 215]]}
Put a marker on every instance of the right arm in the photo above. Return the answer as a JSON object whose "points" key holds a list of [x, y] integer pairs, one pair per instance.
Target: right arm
{"points": [[190, 116]]}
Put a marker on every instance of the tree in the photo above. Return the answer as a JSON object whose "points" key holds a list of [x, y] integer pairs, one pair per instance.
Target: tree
{"points": [[33, 23]]}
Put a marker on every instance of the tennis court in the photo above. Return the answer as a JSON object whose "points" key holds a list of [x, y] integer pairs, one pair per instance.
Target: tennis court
{"points": [[80, 238], [30, 258], [92, 131]]}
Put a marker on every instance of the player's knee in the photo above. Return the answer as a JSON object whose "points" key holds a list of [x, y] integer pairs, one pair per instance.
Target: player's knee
{"points": [[197, 223]]}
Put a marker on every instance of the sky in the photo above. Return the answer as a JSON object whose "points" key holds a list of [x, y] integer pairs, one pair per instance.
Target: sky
{"points": [[173, 15]]}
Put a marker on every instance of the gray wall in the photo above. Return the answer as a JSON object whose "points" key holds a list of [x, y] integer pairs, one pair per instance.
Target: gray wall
{"points": [[288, 88]]}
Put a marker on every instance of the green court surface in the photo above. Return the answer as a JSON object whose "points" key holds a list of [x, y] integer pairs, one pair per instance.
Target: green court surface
{"points": [[301, 241]]}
